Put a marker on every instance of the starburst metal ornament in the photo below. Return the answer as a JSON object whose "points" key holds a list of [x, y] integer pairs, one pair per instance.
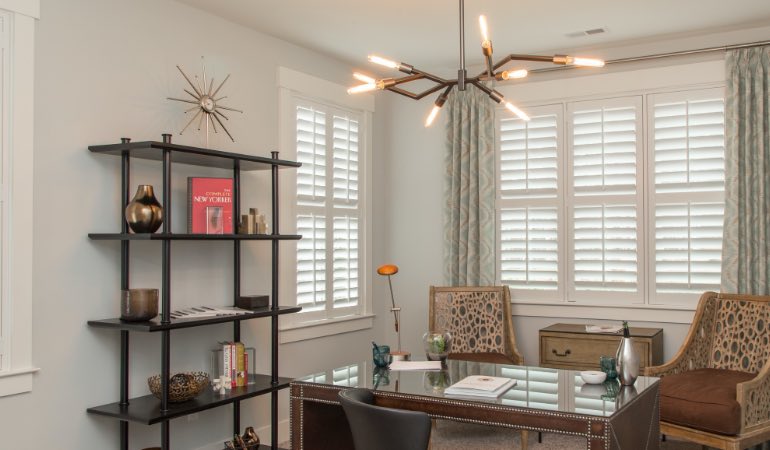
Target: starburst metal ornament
{"points": [[207, 104]]}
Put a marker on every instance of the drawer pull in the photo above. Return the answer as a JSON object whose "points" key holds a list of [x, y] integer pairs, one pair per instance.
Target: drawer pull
{"points": [[566, 353]]}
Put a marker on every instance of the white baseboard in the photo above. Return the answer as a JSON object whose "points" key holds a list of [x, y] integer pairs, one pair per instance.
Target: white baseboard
{"points": [[262, 432]]}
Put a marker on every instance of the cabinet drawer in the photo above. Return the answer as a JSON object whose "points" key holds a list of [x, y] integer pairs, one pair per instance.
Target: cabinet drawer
{"points": [[584, 351]]}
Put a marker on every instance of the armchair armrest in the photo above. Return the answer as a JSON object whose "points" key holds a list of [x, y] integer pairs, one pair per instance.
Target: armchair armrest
{"points": [[696, 348], [754, 398]]}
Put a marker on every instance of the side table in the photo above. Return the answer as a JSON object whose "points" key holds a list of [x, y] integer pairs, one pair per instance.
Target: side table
{"points": [[570, 346]]}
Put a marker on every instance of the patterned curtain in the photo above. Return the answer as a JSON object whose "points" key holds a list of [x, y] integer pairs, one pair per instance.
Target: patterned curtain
{"points": [[469, 196], [746, 246]]}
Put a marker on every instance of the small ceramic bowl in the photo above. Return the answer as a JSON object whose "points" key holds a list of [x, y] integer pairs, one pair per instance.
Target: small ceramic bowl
{"points": [[593, 376]]}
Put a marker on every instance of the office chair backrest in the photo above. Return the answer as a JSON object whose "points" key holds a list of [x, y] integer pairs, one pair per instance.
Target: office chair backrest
{"points": [[378, 428]]}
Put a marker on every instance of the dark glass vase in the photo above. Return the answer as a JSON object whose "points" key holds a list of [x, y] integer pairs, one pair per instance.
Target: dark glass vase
{"points": [[144, 213]]}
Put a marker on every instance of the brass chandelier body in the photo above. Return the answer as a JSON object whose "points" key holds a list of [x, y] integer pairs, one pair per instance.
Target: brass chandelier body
{"points": [[493, 71]]}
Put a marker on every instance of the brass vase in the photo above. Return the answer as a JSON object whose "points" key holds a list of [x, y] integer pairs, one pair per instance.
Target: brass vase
{"points": [[144, 213]]}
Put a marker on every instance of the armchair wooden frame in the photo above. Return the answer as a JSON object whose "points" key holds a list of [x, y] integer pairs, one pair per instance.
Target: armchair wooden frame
{"points": [[753, 395], [509, 338]]}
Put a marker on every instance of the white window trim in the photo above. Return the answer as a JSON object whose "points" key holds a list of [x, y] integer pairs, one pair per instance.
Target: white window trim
{"points": [[18, 120], [292, 84], [532, 306]]}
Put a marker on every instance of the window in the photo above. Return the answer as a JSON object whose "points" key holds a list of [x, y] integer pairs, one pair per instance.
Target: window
{"points": [[328, 132], [328, 213], [625, 209]]}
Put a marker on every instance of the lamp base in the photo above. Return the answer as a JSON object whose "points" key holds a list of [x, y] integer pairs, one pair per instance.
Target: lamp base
{"points": [[400, 355]]}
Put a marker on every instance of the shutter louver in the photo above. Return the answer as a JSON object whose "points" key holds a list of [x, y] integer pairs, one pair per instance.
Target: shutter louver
{"points": [[528, 156], [346, 376], [689, 146], [587, 403], [311, 262], [605, 245], [688, 247], [604, 150], [311, 152], [345, 166], [529, 250], [345, 264]]}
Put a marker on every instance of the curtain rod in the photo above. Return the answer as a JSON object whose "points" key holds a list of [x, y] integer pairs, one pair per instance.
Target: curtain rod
{"points": [[662, 55]]}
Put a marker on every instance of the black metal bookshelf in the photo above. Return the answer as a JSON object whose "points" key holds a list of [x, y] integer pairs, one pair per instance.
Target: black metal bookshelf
{"points": [[148, 409]]}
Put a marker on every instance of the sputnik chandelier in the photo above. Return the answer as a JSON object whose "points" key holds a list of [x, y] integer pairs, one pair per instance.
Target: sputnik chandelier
{"points": [[493, 72]]}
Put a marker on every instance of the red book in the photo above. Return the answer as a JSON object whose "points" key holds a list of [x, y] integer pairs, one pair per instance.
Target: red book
{"points": [[209, 205]]}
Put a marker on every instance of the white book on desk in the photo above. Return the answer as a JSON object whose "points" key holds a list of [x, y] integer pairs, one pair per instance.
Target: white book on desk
{"points": [[480, 386]]}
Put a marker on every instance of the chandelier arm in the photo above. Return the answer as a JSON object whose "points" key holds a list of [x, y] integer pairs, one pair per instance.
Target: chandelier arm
{"points": [[494, 95], [422, 94], [430, 76], [407, 79]]}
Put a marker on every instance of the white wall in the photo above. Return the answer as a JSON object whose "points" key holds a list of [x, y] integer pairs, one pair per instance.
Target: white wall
{"points": [[103, 71]]}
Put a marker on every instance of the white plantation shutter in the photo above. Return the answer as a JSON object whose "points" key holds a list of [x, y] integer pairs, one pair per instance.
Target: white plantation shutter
{"points": [[346, 376], [528, 155], [529, 250], [688, 197], [311, 262], [604, 149], [311, 152], [529, 199], [605, 202], [688, 246], [345, 160], [328, 210], [587, 401], [345, 261], [605, 242]]}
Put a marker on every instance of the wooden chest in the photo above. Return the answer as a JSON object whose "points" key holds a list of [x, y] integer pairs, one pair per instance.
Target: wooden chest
{"points": [[569, 346]]}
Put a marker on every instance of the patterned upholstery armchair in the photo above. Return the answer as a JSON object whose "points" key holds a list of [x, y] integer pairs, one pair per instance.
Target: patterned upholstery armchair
{"points": [[716, 390], [479, 320]]}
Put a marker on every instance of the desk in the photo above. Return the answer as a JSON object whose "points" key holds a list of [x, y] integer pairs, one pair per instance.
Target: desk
{"points": [[544, 399]]}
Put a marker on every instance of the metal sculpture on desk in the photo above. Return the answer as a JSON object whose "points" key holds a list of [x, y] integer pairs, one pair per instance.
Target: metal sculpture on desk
{"points": [[391, 269]]}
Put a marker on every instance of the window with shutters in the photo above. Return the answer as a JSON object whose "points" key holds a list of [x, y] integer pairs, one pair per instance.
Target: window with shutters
{"points": [[328, 271], [687, 198], [625, 208], [328, 209]]}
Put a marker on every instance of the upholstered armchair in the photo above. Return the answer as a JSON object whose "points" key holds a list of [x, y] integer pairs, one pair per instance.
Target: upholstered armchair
{"points": [[716, 390], [479, 320]]}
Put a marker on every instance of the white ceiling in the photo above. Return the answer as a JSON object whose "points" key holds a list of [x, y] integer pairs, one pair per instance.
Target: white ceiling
{"points": [[425, 33]]}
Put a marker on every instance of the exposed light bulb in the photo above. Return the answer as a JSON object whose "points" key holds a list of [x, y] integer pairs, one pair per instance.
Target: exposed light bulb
{"points": [[362, 88], [510, 74], [383, 62], [521, 114], [432, 116], [363, 78], [484, 28], [585, 62]]}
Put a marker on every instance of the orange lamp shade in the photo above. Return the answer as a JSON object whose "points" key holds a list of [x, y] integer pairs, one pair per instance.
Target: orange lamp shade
{"points": [[388, 269]]}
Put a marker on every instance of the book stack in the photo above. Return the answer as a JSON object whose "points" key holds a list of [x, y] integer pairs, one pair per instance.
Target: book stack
{"points": [[235, 363], [480, 386]]}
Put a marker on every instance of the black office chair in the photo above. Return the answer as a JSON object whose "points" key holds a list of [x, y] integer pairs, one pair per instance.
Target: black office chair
{"points": [[378, 428]]}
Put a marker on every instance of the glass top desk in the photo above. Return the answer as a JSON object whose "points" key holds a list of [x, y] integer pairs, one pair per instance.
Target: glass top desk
{"points": [[607, 415]]}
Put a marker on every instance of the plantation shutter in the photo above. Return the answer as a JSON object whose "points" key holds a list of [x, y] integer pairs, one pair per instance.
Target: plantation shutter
{"points": [[535, 387], [328, 209], [688, 200], [529, 199], [605, 201]]}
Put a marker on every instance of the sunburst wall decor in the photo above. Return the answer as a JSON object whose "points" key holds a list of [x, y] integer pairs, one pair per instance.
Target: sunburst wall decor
{"points": [[207, 104]]}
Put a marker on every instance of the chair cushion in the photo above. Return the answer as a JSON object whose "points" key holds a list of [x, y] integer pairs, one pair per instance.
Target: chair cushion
{"points": [[704, 399]]}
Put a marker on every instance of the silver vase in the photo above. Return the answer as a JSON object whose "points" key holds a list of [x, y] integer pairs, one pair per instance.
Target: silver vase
{"points": [[627, 362]]}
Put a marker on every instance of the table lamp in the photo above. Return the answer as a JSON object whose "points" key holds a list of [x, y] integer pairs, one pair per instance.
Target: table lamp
{"points": [[388, 270]]}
